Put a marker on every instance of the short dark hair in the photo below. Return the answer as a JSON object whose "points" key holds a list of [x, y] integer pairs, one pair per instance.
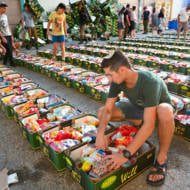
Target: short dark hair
{"points": [[26, 5], [117, 60], [128, 6], [122, 11], [154, 10], [3, 4], [134, 8], [61, 6]]}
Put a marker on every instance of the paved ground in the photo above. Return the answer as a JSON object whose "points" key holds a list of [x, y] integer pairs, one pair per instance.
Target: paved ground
{"points": [[36, 172]]}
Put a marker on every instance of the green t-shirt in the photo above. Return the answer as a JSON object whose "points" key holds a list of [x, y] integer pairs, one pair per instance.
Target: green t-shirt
{"points": [[150, 90]]}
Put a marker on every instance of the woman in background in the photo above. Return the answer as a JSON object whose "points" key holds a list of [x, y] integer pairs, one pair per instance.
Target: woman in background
{"points": [[154, 17], [133, 22], [161, 21], [121, 24]]}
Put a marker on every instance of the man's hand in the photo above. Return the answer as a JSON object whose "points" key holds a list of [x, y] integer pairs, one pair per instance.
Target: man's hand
{"points": [[115, 161], [4, 40], [66, 35], [101, 141], [13, 45], [2, 50], [48, 33]]}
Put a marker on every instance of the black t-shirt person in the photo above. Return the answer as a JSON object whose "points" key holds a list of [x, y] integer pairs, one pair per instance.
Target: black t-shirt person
{"points": [[127, 12], [83, 18], [160, 15], [146, 15]]}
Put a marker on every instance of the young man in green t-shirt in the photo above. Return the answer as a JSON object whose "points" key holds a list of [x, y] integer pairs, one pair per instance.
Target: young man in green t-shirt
{"points": [[148, 101]]}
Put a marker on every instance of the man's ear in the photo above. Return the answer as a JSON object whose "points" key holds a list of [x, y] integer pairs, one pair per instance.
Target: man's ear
{"points": [[122, 69]]}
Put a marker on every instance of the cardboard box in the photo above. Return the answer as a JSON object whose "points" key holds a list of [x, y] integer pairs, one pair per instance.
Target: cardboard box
{"points": [[34, 137], [58, 158], [113, 180], [182, 130]]}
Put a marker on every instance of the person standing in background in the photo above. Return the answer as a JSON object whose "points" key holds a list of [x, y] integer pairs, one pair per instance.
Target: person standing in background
{"points": [[133, 22], [6, 35], [161, 21], [146, 15], [28, 22], [182, 19], [127, 21], [154, 17], [82, 23], [59, 31], [121, 24]]}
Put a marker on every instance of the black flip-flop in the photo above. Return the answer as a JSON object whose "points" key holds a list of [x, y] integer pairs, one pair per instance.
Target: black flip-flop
{"points": [[159, 171]]}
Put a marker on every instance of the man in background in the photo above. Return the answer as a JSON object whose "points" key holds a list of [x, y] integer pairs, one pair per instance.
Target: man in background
{"points": [[28, 19], [182, 19], [83, 18], [127, 20], [6, 35], [145, 17]]}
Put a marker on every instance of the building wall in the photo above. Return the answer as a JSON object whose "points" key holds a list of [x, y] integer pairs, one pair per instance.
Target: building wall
{"points": [[13, 12], [135, 2], [177, 6]]}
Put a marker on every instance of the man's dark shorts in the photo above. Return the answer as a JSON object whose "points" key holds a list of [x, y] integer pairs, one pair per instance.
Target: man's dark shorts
{"points": [[129, 110]]}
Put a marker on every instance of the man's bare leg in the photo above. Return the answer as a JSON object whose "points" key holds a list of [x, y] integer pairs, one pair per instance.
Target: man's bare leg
{"points": [[178, 31], [55, 46], [165, 133], [62, 45], [185, 34]]}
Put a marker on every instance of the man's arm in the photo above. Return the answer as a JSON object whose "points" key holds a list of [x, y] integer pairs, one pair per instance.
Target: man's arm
{"points": [[22, 21], [145, 131], [106, 114], [142, 16], [12, 37], [178, 18], [104, 119], [3, 38], [128, 21], [123, 23], [116, 160], [65, 27], [3, 50], [48, 26]]}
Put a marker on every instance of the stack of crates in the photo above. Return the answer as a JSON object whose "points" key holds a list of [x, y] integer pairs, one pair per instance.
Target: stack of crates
{"points": [[108, 23], [104, 12], [75, 8], [70, 20], [39, 30], [115, 26], [35, 7]]}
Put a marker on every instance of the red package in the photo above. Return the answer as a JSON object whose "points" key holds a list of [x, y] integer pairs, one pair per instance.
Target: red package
{"points": [[123, 135], [63, 135], [42, 121]]}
